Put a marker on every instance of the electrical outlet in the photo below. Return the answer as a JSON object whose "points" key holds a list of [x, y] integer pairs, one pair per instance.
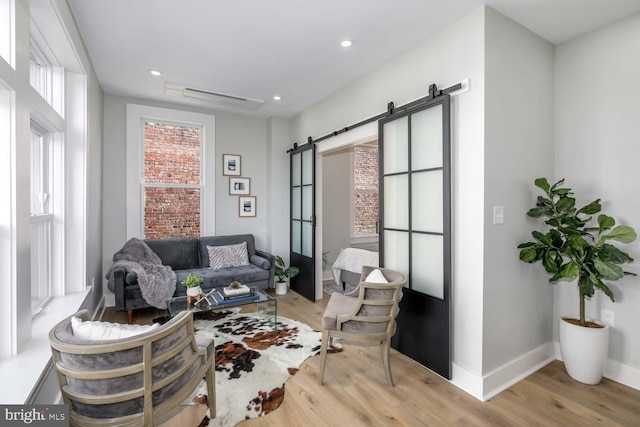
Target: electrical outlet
{"points": [[606, 316]]}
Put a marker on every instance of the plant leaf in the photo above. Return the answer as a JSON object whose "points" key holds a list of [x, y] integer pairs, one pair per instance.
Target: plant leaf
{"points": [[557, 184], [573, 222], [543, 202], [605, 222], [554, 222], [556, 238], [622, 233], [604, 288], [549, 262], [543, 238], [542, 183], [570, 231], [608, 270], [570, 270], [578, 243], [556, 277], [612, 254], [561, 191], [540, 211], [526, 245], [585, 285], [591, 208], [529, 255], [566, 204]]}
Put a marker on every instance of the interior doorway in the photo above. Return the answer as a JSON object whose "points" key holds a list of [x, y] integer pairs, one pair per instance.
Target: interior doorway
{"points": [[346, 204]]}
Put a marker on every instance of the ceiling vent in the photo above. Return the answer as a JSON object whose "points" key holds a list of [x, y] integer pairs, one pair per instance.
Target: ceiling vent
{"points": [[213, 98]]}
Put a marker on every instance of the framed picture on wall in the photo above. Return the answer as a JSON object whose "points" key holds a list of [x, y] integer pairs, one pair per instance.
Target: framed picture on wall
{"points": [[231, 164], [247, 206], [239, 186]]}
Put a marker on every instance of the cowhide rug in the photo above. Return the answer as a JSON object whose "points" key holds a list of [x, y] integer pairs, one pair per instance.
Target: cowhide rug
{"points": [[253, 361]]}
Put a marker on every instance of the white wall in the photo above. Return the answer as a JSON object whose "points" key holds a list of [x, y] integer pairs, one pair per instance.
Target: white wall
{"points": [[597, 137], [518, 301], [94, 188], [235, 134], [454, 54], [336, 203], [278, 143]]}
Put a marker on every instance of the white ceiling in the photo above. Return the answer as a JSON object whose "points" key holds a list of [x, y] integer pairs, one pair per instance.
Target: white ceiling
{"points": [[259, 48]]}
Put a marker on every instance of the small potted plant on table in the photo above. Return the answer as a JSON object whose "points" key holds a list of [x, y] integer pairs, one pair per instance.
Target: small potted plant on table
{"points": [[284, 273], [192, 282]]}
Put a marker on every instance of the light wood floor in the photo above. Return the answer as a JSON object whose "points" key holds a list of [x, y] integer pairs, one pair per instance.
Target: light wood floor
{"points": [[355, 392]]}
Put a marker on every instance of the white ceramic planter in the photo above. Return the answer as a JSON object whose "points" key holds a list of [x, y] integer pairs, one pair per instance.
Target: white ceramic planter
{"points": [[193, 292], [584, 351], [281, 288]]}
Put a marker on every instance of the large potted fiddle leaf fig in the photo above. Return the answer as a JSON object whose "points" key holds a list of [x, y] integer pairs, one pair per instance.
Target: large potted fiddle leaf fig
{"points": [[574, 247]]}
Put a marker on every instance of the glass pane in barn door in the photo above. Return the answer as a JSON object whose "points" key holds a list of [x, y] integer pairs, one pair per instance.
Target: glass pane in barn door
{"points": [[415, 223], [302, 198]]}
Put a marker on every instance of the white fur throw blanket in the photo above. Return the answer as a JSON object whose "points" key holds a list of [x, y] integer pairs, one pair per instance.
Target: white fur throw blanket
{"points": [[157, 282]]}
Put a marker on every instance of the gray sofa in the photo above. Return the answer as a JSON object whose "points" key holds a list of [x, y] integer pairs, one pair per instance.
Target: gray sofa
{"points": [[190, 255]]}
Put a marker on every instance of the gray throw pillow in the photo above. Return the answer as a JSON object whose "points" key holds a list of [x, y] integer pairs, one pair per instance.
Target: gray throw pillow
{"points": [[228, 256]]}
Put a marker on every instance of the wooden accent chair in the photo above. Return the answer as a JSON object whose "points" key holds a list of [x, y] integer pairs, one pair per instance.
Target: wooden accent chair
{"points": [[136, 381], [364, 316]]}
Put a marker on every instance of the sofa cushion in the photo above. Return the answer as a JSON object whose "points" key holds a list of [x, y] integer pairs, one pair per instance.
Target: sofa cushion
{"points": [[177, 253], [224, 241], [260, 262], [228, 256]]}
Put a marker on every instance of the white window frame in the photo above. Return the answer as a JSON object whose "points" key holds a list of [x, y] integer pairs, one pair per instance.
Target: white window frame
{"points": [[24, 345], [46, 75], [137, 115], [42, 217], [7, 31], [144, 185]]}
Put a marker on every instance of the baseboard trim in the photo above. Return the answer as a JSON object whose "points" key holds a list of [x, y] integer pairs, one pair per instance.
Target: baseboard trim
{"points": [[615, 371], [466, 380], [485, 387], [516, 370]]}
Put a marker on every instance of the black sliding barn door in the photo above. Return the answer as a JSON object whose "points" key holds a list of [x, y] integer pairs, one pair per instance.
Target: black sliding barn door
{"points": [[415, 234], [302, 219]]}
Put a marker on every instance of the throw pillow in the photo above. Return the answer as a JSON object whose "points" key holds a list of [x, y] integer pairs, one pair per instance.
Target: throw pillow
{"points": [[376, 276], [228, 256], [100, 331]]}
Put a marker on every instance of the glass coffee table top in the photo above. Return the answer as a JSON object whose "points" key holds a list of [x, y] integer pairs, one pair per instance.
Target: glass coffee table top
{"points": [[263, 303]]}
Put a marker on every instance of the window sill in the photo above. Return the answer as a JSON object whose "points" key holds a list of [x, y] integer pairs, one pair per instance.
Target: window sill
{"points": [[364, 238], [21, 373]]}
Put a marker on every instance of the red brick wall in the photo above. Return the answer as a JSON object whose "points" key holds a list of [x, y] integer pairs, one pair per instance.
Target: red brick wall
{"points": [[171, 156], [365, 182]]}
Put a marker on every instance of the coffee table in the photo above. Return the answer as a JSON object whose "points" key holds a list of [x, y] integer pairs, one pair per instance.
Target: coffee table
{"points": [[265, 304]]}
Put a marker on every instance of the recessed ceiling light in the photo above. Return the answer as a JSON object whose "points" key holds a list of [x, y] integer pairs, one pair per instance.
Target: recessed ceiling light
{"points": [[155, 72], [276, 97], [345, 43]]}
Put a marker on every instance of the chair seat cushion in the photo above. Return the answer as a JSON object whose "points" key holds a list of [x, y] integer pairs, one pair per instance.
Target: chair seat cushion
{"points": [[339, 304]]}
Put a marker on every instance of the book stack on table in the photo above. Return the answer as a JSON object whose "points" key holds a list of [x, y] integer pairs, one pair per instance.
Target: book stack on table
{"points": [[229, 295]]}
